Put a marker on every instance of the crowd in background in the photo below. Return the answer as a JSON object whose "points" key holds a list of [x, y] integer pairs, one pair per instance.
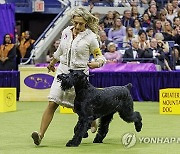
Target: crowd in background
{"points": [[151, 36]]}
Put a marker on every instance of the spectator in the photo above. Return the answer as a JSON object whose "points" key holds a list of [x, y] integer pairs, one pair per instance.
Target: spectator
{"points": [[117, 32], [135, 13], [134, 52], [109, 20], [103, 41], [128, 38], [152, 12], [7, 54], [52, 50], [26, 45], [165, 47], [127, 20], [146, 22], [113, 56], [150, 33], [176, 55], [175, 6], [176, 21], [137, 26], [143, 42], [170, 12], [157, 26], [168, 31], [156, 53]]}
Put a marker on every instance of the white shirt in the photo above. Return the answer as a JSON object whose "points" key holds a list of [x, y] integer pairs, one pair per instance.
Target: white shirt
{"points": [[75, 53]]}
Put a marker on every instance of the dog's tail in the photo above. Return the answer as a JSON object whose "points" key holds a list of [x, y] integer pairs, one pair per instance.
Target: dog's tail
{"points": [[129, 86]]}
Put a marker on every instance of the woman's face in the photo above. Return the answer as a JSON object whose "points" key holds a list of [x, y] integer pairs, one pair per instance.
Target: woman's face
{"points": [[118, 22], [79, 24], [112, 48], [145, 17], [26, 35], [143, 37], [158, 24], [7, 39], [130, 31]]}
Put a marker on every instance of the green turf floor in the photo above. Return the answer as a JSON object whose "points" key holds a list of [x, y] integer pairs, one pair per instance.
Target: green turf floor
{"points": [[16, 128]]}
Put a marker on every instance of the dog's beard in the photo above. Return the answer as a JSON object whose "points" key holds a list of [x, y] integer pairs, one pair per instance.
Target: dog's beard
{"points": [[65, 85]]}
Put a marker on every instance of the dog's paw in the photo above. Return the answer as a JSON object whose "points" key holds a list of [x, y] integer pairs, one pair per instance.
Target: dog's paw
{"points": [[138, 126], [98, 139], [70, 143]]}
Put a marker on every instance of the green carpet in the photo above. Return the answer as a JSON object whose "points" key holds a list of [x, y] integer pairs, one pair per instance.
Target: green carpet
{"points": [[16, 128]]}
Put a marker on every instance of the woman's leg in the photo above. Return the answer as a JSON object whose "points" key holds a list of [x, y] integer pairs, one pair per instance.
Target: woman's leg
{"points": [[46, 120]]}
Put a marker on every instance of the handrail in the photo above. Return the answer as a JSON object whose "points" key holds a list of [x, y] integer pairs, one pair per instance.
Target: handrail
{"points": [[42, 36], [49, 26]]}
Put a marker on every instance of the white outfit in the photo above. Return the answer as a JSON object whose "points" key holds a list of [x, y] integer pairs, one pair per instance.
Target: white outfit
{"points": [[73, 54]]}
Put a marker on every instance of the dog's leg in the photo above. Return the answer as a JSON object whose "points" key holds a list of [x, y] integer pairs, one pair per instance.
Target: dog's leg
{"points": [[103, 128], [80, 129], [77, 127], [127, 114]]}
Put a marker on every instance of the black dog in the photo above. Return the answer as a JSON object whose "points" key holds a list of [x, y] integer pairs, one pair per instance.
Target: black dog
{"points": [[91, 103]]}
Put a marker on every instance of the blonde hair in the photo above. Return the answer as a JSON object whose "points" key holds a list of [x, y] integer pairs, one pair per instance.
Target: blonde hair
{"points": [[92, 21], [159, 36]]}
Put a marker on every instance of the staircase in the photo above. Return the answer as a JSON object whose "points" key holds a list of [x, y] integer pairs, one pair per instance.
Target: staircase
{"points": [[52, 32]]}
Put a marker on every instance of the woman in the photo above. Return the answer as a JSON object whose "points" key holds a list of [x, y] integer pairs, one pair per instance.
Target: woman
{"points": [[7, 54], [77, 43], [113, 56], [128, 38], [118, 31], [143, 42], [25, 47]]}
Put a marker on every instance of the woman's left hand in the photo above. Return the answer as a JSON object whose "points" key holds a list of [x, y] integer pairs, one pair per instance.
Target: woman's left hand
{"points": [[93, 64]]}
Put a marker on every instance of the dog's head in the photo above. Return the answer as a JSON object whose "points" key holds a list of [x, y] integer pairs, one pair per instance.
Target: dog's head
{"points": [[75, 77]]}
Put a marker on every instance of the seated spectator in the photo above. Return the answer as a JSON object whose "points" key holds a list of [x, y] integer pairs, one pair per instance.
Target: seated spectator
{"points": [[143, 42], [156, 53], [134, 52], [118, 31], [152, 12], [108, 20], [176, 34], [168, 32], [128, 38], [162, 17], [103, 41], [127, 20], [146, 22], [7, 54], [150, 33], [137, 26], [25, 47], [176, 21], [135, 13], [165, 47], [157, 26], [176, 55], [113, 56], [51, 51], [170, 12]]}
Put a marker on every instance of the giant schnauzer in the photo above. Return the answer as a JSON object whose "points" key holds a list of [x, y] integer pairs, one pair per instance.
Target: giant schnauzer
{"points": [[91, 103]]}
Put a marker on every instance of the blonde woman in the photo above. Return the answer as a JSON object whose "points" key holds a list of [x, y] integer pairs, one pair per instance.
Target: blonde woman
{"points": [[128, 38], [165, 47], [77, 43]]}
